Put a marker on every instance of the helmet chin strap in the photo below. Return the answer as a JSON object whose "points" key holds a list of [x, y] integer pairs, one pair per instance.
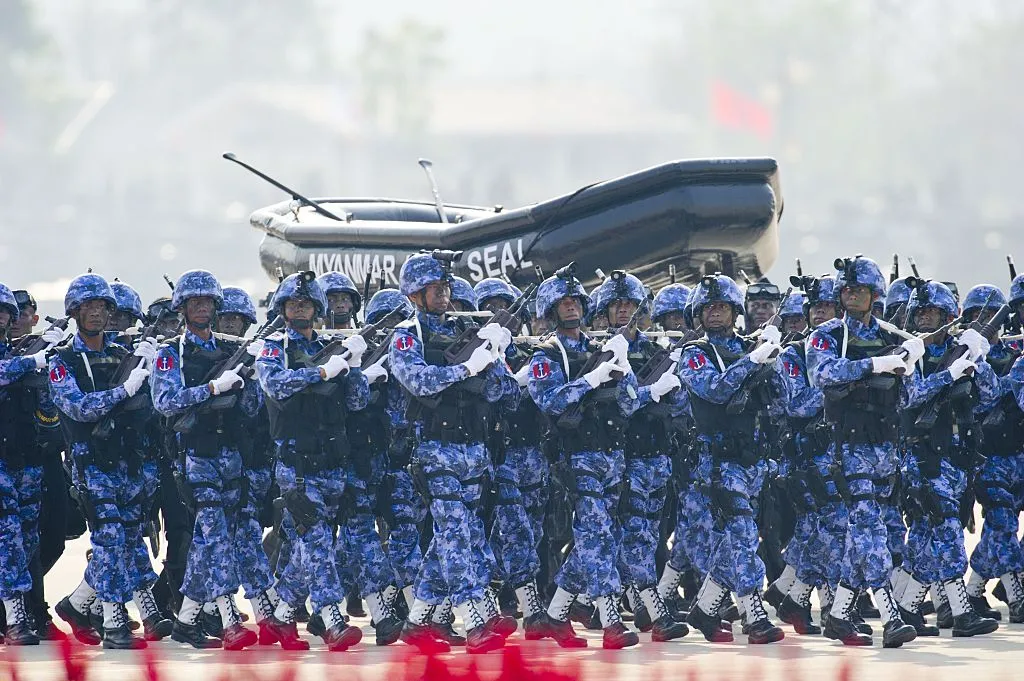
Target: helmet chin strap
{"points": [[300, 324]]}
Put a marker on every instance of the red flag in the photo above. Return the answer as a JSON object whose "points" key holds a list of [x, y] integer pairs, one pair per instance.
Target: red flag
{"points": [[732, 109]]}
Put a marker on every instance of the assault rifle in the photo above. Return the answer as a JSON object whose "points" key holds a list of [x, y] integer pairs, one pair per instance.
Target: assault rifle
{"points": [[33, 342], [336, 347], [511, 319], [759, 378], [188, 419]]}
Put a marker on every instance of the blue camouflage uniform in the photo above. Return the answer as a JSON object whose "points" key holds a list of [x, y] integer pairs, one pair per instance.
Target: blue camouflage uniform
{"points": [[404, 508], [450, 454], [211, 461], [309, 433], [595, 457]]}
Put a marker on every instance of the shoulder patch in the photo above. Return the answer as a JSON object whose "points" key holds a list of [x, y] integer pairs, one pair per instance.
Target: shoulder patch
{"points": [[165, 362], [58, 373], [820, 341], [270, 351], [697, 361], [403, 342], [792, 368], [541, 368]]}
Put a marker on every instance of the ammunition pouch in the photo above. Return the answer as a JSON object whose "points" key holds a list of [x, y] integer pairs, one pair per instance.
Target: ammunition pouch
{"points": [[302, 509], [930, 504], [597, 426]]}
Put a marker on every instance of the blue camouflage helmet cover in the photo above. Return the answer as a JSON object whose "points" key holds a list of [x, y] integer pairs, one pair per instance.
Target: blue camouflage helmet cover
{"points": [[933, 294], [553, 289], [194, 284], [87, 287], [860, 271], [128, 299], [793, 306], [384, 301], [621, 285], [897, 294], [290, 288], [714, 288], [8, 302], [463, 292], [671, 298], [492, 287], [1017, 290], [333, 282], [419, 271], [823, 290], [984, 295], [238, 301]]}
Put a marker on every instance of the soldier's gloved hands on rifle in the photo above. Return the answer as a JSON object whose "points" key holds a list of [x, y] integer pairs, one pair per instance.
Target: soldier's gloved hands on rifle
{"points": [[976, 344], [227, 381], [523, 375], [601, 374], [376, 371], [498, 335], [623, 364], [618, 345], [665, 384], [135, 379], [332, 367], [771, 334], [40, 358], [675, 355], [146, 349], [764, 353], [481, 358], [960, 366], [356, 346], [888, 364], [254, 348], [915, 351], [53, 336]]}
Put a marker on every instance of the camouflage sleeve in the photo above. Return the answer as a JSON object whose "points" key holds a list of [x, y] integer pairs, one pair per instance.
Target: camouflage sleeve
{"points": [[278, 382], [678, 402], [826, 368], [80, 406], [396, 404], [14, 368], [1016, 381], [800, 399], [920, 389], [170, 396], [357, 390], [702, 378], [405, 357], [987, 383], [548, 386], [629, 394], [252, 397], [500, 385]]}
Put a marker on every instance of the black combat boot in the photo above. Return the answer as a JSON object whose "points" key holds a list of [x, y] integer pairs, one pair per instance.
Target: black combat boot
{"points": [[842, 628], [798, 615], [704, 612], [616, 634], [19, 629], [340, 635], [910, 608], [79, 621], [187, 628], [895, 632], [155, 627], [235, 635], [418, 632], [664, 627], [557, 626], [759, 627], [968, 622], [119, 636], [387, 626], [479, 639]]}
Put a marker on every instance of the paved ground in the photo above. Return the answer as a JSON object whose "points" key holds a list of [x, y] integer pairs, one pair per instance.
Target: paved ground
{"points": [[692, 659]]}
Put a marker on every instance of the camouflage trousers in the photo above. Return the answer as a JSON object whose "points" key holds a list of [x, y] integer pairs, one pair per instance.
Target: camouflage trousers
{"points": [[1001, 492], [14, 575], [522, 496], [824, 550], [591, 566], [212, 565], [403, 543], [253, 564], [941, 555], [867, 468], [143, 575], [458, 562], [312, 567], [116, 498], [648, 480], [360, 554], [734, 562]]}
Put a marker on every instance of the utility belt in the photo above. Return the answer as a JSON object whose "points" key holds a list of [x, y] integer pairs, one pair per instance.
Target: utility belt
{"points": [[843, 481], [213, 432], [421, 483], [735, 447], [107, 455], [601, 427], [316, 453]]}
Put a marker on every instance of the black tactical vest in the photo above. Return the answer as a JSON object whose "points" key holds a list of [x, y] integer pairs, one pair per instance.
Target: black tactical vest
{"points": [[649, 431], [602, 425], [864, 411], [315, 421], [369, 432], [125, 443], [19, 402], [938, 437], [1003, 426]]}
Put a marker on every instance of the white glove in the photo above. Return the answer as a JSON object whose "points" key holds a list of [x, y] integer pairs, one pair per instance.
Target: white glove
{"points": [[499, 336], [255, 348], [229, 380], [960, 366], [376, 371], [53, 336], [481, 358], [676, 355], [771, 334], [763, 353], [146, 349], [618, 345], [40, 358], [523, 375], [602, 374], [664, 385], [887, 364], [333, 366], [135, 379], [915, 350], [356, 346], [623, 364], [976, 344]]}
